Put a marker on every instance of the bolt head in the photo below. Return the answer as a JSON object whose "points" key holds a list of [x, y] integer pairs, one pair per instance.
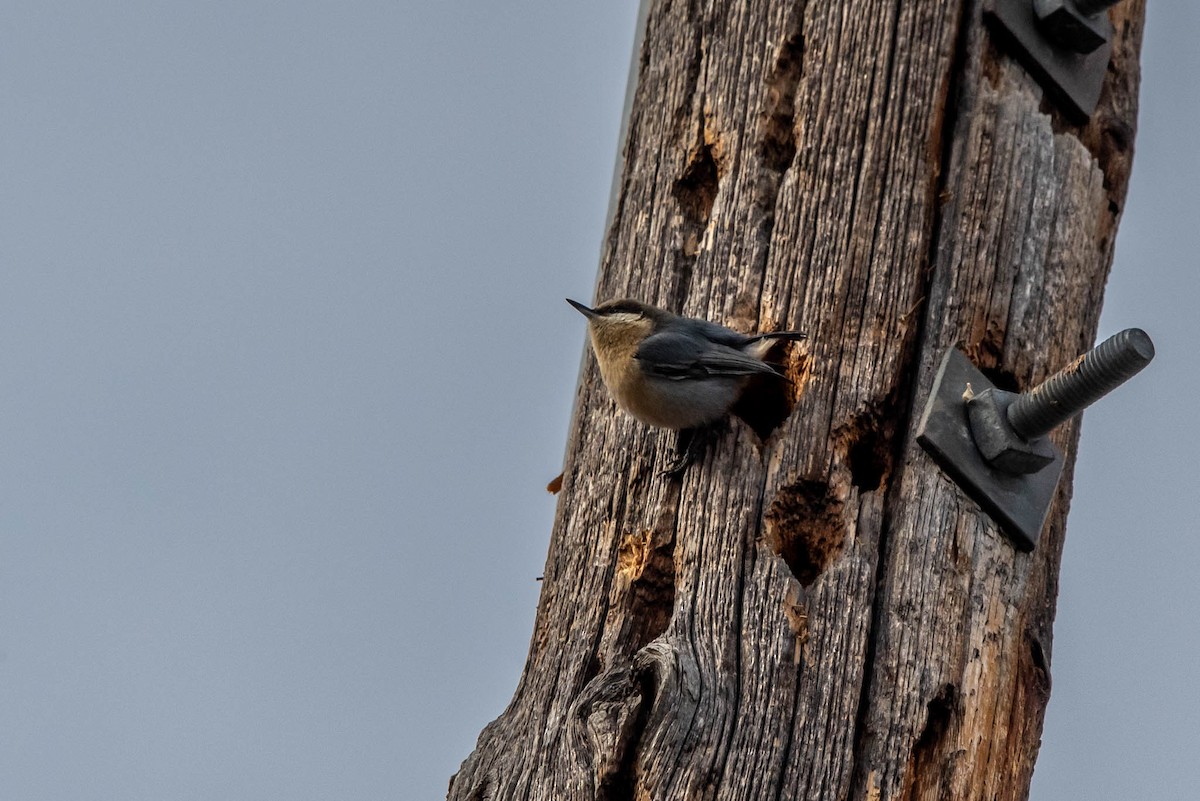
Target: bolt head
{"points": [[1064, 23], [998, 444]]}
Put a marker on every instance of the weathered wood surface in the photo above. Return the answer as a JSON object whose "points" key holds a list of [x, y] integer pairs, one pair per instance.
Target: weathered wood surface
{"points": [[822, 615]]}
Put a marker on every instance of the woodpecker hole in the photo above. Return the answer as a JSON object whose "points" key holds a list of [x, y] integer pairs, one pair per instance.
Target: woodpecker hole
{"points": [[1038, 655], [988, 356], [696, 189], [869, 450], [777, 143], [615, 720], [868, 463], [938, 714], [646, 566], [769, 400], [1001, 378], [867, 444], [696, 192], [633, 553], [804, 526], [927, 753], [1038, 672], [592, 669]]}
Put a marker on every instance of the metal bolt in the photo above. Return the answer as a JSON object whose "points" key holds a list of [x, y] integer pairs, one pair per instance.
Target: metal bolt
{"points": [[1080, 384], [997, 451]]}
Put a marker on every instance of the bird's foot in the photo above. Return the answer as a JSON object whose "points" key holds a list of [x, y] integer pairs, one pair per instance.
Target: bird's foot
{"points": [[690, 444]]}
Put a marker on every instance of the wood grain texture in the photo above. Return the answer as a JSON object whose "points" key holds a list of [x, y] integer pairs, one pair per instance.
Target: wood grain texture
{"points": [[823, 614]]}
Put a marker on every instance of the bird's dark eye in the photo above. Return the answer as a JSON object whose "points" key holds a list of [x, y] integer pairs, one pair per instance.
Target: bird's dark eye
{"points": [[622, 307]]}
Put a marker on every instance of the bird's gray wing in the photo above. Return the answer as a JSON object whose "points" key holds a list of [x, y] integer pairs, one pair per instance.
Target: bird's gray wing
{"points": [[679, 356], [713, 332], [727, 336]]}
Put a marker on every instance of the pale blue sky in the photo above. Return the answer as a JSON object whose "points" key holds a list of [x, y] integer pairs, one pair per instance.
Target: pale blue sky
{"points": [[286, 369]]}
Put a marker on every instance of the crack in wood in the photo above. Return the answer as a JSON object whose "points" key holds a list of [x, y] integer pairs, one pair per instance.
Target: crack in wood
{"points": [[952, 99]]}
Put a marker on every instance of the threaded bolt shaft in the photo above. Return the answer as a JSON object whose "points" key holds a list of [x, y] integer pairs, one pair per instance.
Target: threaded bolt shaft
{"points": [[1080, 384]]}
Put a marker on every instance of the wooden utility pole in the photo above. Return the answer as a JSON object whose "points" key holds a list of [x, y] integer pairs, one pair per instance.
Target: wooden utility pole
{"points": [[819, 612]]}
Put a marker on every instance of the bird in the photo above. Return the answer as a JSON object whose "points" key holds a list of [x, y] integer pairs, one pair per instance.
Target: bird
{"points": [[679, 373]]}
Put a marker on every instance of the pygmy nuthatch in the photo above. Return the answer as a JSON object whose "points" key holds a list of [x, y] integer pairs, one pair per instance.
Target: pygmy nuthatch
{"points": [[674, 372]]}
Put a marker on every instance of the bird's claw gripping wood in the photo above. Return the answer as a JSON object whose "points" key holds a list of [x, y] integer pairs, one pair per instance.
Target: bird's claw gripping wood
{"points": [[690, 445]]}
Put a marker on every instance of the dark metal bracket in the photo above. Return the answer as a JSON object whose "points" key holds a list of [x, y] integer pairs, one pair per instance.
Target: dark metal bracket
{"points": [[1019, 503], [993, 443], [1064, 44]]}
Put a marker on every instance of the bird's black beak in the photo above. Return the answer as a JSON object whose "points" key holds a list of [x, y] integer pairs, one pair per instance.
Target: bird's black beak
{"points": [[584, 310]]}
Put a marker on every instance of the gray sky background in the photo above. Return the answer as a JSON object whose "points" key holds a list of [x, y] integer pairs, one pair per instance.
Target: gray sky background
{"points": [[286, 367]]}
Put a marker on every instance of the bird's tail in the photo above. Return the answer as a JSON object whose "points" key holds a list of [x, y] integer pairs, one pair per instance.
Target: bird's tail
{"points": [[790, 336], [760, 344]]}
